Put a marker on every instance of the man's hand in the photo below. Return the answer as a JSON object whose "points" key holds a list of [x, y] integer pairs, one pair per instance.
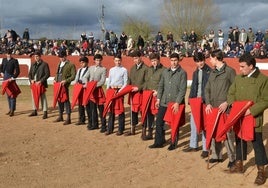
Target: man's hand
{"points": [[175, 107], [63, 82], [157, 103], [223, 106], [208, 109], [134, 89]]}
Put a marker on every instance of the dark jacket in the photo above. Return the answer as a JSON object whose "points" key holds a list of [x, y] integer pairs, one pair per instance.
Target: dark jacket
{"points": [[10, 68], [218, 85], [194, 87], [42, 72], [254, 88], [153, 77], [137, 76], [172, 86]]}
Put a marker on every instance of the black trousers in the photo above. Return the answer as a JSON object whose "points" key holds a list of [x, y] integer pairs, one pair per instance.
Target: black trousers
{"points": [[134, 118], [96, 112], [121, 122], [159, 129], [149, 120], [258, 146]]}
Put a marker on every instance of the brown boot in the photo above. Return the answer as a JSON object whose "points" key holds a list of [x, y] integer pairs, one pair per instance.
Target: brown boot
{"points": [[34, 113], [60, 118], [45, 115], [261, 178], [143, 133], [131, 132], [150, 134], [11, 113], [237, 167], [68, 120]]}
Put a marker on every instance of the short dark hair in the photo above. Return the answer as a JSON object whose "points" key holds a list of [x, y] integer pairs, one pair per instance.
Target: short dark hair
{"points": [[98, 56], [118, 55], [135, 53], [84, 59], [176, 55], [199, 56], [249, 59], [218, 54], [154, 56]]}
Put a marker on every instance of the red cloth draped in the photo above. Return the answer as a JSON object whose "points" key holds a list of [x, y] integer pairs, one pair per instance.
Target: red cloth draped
{"points": [[243, 125], [88, 91], [77, 93], [10, 88], [98, 96], [60, 93], [37, 91], [154, 110], [214, 123], [197, 110], [175, 120], [115, 97], [146, 103], [135, 100]]}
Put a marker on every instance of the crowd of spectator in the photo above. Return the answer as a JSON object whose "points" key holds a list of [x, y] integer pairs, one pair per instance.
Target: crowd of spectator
{"points": [[234, 43]]}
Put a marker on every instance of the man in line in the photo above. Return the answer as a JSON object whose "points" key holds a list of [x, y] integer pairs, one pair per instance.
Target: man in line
{"points": [[251, 85], [10, 70], [82, 77], [65, 75], [97, 73], [216, 90], [200, 78], [137, 78], [172, 88], [117, 80], [152, 81], [38, 74]]}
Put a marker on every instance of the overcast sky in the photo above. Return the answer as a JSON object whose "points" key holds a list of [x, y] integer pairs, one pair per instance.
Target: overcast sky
{"points": [[69, 18]]}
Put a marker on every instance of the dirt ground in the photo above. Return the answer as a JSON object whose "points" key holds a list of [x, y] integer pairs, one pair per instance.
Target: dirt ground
{"points": [[39, 153]]}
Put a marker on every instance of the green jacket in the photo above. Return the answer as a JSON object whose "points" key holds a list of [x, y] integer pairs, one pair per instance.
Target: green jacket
{"points": [[254, 88], [172, 86], [137, 76], [218, 84], [153, 77], [68, 73]]}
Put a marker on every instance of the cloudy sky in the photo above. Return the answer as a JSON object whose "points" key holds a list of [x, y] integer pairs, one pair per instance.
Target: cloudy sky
{"points": [[69, 18]]}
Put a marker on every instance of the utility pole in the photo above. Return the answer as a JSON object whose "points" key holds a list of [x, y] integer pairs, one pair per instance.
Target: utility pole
{"points": [[101, 20]]}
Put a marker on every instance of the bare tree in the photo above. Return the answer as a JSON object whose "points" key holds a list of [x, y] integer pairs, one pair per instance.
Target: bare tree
{"points": [[136, 27], [187, 15]]}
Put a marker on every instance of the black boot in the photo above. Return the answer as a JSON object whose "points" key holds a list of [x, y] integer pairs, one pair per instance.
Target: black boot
{"points": [[34, 113], [143, 133], [45, 115], [68, 120], [150, 134]]}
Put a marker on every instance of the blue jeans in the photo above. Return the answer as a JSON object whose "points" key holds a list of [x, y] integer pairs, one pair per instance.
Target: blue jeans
{"points": [[194, 136]]}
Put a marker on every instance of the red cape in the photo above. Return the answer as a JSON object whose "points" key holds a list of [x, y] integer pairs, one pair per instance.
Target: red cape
{"points": [[135, 100], [109, 97], [98, 96], [243, 125], [146, 102], [77, 89], [214, 123], [11, 88], [37, 91], [88, 91], [175, 120], [197, 112], [60, 93]]}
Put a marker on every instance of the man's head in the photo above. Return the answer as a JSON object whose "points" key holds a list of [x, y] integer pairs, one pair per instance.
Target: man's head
{"points": [[97, 59], [83, 61], [175, 59], [117, 60], [199, 59], [247, 63], [136, 56], [216, 56], [154, 58], [62, 55]]}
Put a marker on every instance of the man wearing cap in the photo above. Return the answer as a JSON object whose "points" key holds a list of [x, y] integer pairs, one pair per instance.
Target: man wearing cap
{"points": [[65, 75], [137, 78], [10, 70], [82, 77], [38, 74]]}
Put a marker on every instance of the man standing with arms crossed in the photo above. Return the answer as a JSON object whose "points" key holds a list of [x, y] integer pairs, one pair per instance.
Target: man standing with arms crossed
{"points": [[251, 85]]}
